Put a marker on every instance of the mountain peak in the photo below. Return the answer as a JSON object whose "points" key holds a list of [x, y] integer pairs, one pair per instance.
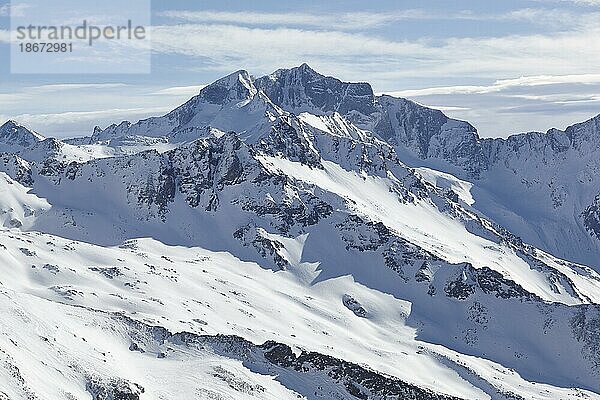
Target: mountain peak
{"points": [[302, 72], [240, 76], [237, 86], [302, 89], [13, 133], [305, 69], [583, 134], [10, 124]]}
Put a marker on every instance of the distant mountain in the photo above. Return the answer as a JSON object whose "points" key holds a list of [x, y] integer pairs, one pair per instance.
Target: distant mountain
{"points": [[14, 137], [425, 132], [231, 103]]}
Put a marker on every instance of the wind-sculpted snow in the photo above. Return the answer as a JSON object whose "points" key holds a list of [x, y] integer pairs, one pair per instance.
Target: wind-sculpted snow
{"points": [[144, 319], [285, 210], [18, 208]]}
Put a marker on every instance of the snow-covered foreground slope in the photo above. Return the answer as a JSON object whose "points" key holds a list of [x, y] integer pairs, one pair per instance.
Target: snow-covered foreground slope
{"points": [[80, 319], [18, 208]]}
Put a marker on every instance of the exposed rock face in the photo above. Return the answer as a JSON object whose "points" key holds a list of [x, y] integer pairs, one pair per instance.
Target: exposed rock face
{"points": [[591, 218], [488, 281], [429, 133], [426, 132], [303, 89], [351, 380], [17, 168], [113, 389], [586, 328], [287, 138], [358, 381], [353, 305]]}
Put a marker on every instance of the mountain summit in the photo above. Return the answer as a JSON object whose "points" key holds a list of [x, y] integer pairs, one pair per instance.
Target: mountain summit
{"points": [[301, 89], [14, 136]]}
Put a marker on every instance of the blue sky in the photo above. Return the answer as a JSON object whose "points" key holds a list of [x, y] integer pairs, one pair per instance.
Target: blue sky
{"points": [[506, 66]]}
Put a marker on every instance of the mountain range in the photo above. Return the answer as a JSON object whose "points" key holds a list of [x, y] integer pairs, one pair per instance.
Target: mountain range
{"points": [[297, 236]]}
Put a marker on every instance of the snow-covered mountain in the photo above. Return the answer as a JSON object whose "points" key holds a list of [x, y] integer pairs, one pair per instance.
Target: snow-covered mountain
{"points": [[296, 236], [540, 186], [15, 137]]}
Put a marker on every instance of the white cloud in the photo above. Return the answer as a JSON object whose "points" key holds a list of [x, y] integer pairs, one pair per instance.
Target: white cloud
{"points": [[84, 116], [500, 85], [29, 95], [73, 109], [449, 108], [81, 123], [549, 80], [7, 99], [558, 97], [60, 87], [355, 20], [366, 20], [507, 106], [459, 89], [356, 55], [591, 99], [180, 90], [581, 2], [555, 17], [228, 41]]}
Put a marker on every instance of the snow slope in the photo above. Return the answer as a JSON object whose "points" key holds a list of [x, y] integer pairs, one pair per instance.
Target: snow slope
{"points": [[74, 306], [18, 208]]}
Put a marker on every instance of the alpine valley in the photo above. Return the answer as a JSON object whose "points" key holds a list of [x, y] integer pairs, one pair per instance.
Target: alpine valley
{"points": [[294, 236]]}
